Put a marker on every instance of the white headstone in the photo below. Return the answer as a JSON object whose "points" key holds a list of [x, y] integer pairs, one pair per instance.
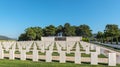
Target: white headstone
{"points": [[112, 59], [1, 52], [77, 57], [98, 49], [35, 55], [87, 50], [11, 53], [92, 47], [23, 55], [48, 56], [77, 47], [50, 48], [42, 49], [59, 49], [34, 47], [68, 49], [14, 46], [94, 58], [20, 47], [62, 57]]}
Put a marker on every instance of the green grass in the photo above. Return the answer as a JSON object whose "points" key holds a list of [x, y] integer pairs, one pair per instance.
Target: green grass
{"points": [[71, 54], [55, 54], [92, 50], [17, 52], [86, 55], [27, 63], [102, 56]]}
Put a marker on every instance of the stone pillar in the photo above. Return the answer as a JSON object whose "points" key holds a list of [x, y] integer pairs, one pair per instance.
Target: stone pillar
{"points": [[35, 56], [92, 47], [77, 57], [20, 48], [77, 47], [112, 59], [23, 55], [98, 49], [87, 50], [62, 56], [51, 48], [1, 54], [48, 56], [27, 49], [11, 54], [59, 49], [94, 58], [42, 49], [68, 49]]}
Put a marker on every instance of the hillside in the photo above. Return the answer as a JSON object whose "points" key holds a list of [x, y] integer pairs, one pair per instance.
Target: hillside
{"points": [[5, 38]]}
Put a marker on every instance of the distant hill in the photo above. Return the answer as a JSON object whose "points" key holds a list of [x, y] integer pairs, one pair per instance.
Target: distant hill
{"points": [[5, 38]]}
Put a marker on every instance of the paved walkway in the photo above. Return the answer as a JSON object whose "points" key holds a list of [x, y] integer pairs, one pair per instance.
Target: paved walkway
{"points": [[111, 45]]}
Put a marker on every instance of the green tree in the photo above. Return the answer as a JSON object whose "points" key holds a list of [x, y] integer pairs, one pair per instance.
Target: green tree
{"points": [[100, 36], [31, 33], [49, 30], [112, 31], [69, 30], [38, 31], [117, 36], [59, 29], [23, 37], [84, 30]]}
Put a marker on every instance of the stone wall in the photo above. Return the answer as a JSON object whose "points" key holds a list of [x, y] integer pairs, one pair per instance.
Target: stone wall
{"points": [[47, 38]]}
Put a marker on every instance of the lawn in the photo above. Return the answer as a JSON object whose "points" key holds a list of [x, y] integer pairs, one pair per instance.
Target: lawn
{"points": [[27, 63]]}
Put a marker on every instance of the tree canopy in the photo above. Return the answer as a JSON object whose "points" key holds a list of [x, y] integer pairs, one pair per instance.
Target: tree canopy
{"points": [[32, 33], [111, 32], [35, 33]]}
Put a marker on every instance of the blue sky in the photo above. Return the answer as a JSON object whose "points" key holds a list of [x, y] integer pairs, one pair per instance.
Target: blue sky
{"points": [[16, 15]]}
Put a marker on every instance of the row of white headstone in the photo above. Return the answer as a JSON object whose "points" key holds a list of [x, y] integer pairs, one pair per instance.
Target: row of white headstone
{"points": [[50, 46], [41, 44], [44, 45], [62, 57]]}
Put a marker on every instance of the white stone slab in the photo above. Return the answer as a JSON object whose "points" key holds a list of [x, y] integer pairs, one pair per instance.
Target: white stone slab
{"points": [[34, 47], [87, 50], [11, 54], [94, 58], [42, 49], [23, 55], [112, 59], [35, 55], [77, 57], [62, 57], [68, 49], [98, 49], [48, 56], [77, 47], [92, 47], [59, 49], [1, 54]]}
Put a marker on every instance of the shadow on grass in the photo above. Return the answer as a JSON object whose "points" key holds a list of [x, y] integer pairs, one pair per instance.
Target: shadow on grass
{"points": [[105, 64], [42, 60]]}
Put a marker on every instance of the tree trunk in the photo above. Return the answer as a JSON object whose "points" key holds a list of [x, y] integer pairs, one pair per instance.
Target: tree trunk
{"points": [[116, 40], [101, 40], [111, 40]]}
